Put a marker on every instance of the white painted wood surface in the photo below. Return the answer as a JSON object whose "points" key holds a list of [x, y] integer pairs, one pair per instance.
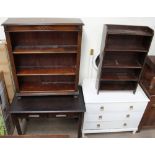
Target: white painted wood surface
{"points": [[112, 111]]}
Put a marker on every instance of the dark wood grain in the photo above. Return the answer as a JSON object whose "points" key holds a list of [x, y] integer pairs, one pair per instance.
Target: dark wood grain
{"points": [[42, 21], [148, 119], [123, 47], [129, 30], [44, 47], [48, 104], [45, 71], [64, 106]]}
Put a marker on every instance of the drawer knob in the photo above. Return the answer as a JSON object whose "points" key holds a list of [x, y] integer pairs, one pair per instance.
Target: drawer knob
{"points": [[128, 115], [124, 124], [102, 108], [131, 107], [100, 117], [98, 125]]}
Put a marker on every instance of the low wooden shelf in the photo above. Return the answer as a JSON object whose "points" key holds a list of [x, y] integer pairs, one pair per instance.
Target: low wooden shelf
{"points": [[123, 48], [45, 71]]}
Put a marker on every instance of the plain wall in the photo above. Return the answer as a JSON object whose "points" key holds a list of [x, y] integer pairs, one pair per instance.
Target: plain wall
{"points": [[91, 39]]}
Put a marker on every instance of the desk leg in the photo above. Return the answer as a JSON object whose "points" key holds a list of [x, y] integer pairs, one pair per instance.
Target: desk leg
{"points": [[17, 124], [80, 123]]}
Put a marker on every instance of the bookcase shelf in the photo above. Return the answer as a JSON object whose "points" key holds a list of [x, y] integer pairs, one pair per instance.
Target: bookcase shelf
{"points": [[45, 49], [45, 71], [122, 57], [45, 58], [121, 64]]}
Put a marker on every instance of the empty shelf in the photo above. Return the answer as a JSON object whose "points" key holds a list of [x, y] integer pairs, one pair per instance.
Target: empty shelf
{"points": [[45, 71], [45, 49]]}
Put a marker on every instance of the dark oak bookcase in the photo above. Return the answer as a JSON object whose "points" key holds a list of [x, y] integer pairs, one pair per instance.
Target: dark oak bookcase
{"points": [[44, 54], [122, 57]]}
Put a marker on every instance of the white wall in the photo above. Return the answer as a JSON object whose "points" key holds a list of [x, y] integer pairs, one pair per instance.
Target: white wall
{"points": [[92, 38]]}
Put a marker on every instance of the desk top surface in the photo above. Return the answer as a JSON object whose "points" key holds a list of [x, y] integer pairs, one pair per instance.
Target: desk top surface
{"points": [[48, 104]]}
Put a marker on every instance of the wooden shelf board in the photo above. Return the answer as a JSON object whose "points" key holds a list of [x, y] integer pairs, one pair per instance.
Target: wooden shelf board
{"points": [[124, 49], [52, 87], [45, 71], [45, 49], [121, 64]]}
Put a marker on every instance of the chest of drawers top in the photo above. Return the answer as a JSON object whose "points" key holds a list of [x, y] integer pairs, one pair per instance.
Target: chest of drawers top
{"points": [[91, 96]]}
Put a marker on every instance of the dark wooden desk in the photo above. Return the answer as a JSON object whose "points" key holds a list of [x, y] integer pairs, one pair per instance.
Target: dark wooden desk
{"points": [[48, 106]]}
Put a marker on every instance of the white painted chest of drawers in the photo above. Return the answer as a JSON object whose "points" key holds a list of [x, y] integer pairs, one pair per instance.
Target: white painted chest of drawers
{"points": [[112, 111]]}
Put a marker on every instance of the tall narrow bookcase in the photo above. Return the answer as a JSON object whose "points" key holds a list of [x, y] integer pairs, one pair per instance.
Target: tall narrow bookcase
{"points": [[45, 55], [122, 56]]}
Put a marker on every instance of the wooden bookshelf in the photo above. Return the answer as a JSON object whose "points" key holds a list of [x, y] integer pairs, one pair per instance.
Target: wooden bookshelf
{"points": [[122, 57], [45, 55], [45, 71], [44, 49]]}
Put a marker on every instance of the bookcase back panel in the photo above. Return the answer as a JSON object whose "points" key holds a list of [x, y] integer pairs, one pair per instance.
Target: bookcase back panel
{"points": [[46, 83], [127, 57], [45, 61], [48, 79], [127, 42], [43, 39], [109, 74], [118, 85]]}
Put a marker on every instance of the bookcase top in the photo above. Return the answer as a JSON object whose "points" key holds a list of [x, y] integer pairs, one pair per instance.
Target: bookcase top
{"points": [[43, 21]]}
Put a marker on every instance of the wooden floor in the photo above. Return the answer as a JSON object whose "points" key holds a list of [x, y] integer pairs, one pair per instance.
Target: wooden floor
{"points": [[68, 127]]}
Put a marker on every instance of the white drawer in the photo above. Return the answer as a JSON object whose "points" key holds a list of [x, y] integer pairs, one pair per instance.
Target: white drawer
{"points": [[113, 116], [113, 107], [110, 125]]}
